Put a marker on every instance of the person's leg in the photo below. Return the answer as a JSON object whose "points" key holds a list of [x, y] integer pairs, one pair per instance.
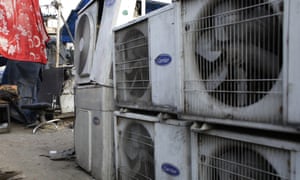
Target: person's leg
{"points": [[12, 75], [27, 83]]}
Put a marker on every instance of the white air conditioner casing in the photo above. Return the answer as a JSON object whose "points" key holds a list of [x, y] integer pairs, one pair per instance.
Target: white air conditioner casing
{"points": [[85, 40], [94, 132], [236, 71], [112, 15], [94, 95], [220, 154], [149, 149], [146, 62]]}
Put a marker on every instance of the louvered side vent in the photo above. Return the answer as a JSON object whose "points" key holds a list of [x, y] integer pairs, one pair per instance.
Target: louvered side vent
{"points": [[234, 59], [132, 66], [226, 159]]}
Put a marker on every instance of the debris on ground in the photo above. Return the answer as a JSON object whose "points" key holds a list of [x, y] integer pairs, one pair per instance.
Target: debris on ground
{"points": [[9, 175], [68, 154]]}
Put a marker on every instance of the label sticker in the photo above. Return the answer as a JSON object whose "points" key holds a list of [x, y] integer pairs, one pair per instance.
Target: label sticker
{"points": [[96, 121]]}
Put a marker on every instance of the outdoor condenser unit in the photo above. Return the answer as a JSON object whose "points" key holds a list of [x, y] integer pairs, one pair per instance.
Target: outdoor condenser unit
{"points": [[240, 62], [145, 62], [219, 154], [85, 41], [93, 131], [148, 147]]}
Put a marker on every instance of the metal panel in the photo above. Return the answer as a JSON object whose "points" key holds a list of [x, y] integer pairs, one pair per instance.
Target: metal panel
{"points": [[172, 151], [164, 60], [82, 138], [102, 146], [293, 54], [94, 97]]}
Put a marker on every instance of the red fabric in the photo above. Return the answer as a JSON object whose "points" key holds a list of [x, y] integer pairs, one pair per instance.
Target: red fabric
{"points": [[22, 31]]}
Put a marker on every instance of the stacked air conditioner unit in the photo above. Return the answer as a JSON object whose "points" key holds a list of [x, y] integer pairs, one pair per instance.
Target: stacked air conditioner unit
{"points": [[85, 41], [240, 60], [94, 132], [220, 154], [145, 82], [145, 62], [224, 62], [148, 147], [93, 28]]}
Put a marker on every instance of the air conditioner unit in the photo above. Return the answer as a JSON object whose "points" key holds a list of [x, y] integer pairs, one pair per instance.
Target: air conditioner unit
{"points": [[149, 149], [114, 13], [85, 39], [240, 61], [145, 62], [94, 132], [220, 154]]}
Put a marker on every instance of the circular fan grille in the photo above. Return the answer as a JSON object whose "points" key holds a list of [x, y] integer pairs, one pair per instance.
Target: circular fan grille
{"points": [[239, 50], [241, 163], [138, 150], [83, 42], [136, 62]]}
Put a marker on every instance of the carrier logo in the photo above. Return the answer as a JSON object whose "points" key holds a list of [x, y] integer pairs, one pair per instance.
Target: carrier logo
{"points": [[170, 169], [163, 59], [109, 2], [96, 121]]}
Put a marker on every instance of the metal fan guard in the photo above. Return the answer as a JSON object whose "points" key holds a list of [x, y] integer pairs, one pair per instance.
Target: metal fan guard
{"points": [[246, 82]]}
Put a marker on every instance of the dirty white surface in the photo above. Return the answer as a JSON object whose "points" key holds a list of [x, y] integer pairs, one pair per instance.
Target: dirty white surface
{"points": [[20, 150]]}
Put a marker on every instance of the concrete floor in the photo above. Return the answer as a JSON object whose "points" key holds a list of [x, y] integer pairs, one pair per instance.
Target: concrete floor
{"points": [[24, 152]]}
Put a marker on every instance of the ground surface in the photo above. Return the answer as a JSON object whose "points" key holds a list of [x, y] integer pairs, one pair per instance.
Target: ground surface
{"points": [[24, 152]]}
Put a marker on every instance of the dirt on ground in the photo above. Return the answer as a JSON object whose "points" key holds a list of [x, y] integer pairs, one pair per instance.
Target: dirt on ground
{"points": [[27, 154]]}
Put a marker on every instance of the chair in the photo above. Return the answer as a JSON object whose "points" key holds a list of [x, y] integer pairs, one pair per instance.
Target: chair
{"points": [[50, 90]]}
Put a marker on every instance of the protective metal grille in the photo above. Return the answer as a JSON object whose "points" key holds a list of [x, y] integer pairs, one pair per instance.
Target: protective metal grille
{"points": [[83, 42], [235, 47], [136, 153], [132, 64], [227, 159]]}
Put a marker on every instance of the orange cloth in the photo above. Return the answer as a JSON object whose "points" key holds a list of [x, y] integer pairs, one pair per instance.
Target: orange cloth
{"points": [[22, 31]]}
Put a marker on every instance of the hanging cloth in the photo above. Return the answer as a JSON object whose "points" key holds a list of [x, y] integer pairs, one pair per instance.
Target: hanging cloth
{"points": [[23, 35]]}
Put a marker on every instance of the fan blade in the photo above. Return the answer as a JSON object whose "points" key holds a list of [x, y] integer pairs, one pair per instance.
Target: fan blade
{"points": [[264, 63], [257, 60], [241, 88], [205, 47], [223, 21], [216, 78], [238, 163]]}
